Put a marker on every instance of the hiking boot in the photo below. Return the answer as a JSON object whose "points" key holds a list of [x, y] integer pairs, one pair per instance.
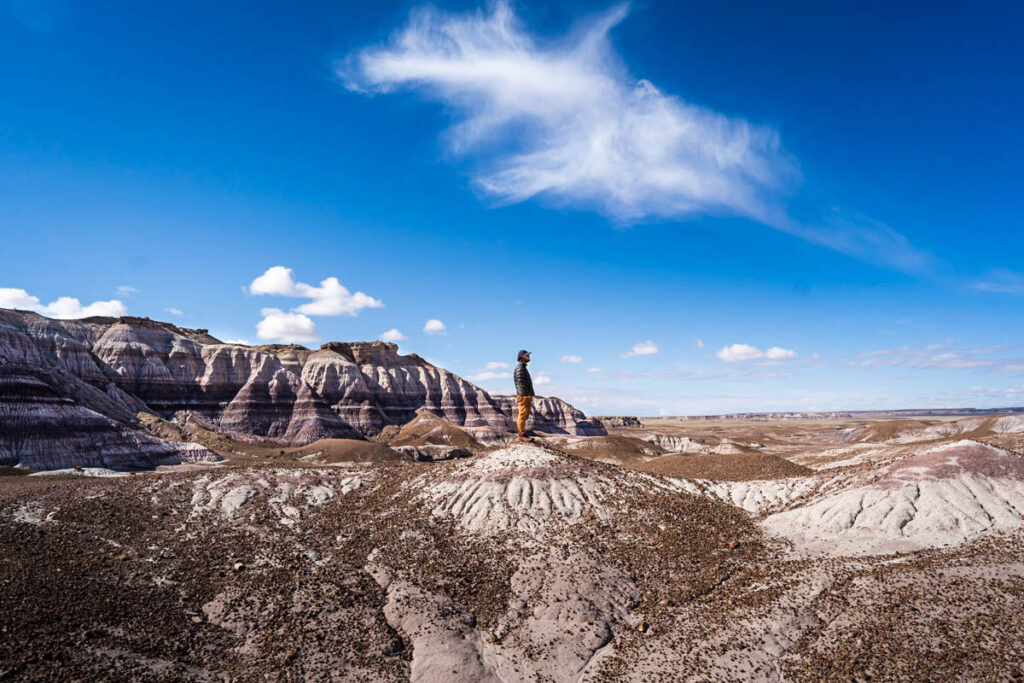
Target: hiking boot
{"points": [[525, 438]]}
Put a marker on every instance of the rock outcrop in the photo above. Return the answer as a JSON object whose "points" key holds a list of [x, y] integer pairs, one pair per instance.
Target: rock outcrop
{"points": [[89, 379], [620, 421]]}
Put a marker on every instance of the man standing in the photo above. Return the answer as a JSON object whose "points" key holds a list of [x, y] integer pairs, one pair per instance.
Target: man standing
{"points": [[524, 393]]}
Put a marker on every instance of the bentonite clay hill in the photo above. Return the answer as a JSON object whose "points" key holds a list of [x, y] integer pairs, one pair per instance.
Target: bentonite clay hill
{"points": [[88, 392], [868, 561]]}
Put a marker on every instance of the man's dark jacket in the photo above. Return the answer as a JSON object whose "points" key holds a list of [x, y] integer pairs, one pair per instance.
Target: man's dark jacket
{"points": [[524, 385]]}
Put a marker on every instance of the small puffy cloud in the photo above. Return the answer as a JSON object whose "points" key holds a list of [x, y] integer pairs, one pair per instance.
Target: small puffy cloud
{"points": [[243, 342], [330, 298], [644, 348], [174, 311], [126, 290], [70, 307], [18, 298], [286, 327], [571, 359], [735, 353], [699, 343], [778, 353], [488, 376], [594, 371], [496, 365], [738, 352], [64, 307], [542, 378], [392, 335], [434, 326]]}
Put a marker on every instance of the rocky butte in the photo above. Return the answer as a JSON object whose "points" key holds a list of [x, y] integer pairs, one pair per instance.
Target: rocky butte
{"points": [[100, 392]]}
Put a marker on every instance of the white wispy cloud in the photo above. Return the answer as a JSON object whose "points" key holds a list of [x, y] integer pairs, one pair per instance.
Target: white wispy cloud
{"points": [[330, 298], [571, 359], [644, 348], [173, 311], [434, 326], [126, 290], [392, 335], [735, 353], [594, 371], [577, 127], [292, 328], [1010, 392], [997, 358], [562, 119], [488, 376], [860, 237], [1001, 281], [65, 307], [492, 372], [243, 342], [699, 343], [541, 378]]}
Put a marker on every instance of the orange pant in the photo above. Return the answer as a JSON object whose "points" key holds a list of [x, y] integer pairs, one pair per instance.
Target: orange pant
{"points": [[524, 412]]}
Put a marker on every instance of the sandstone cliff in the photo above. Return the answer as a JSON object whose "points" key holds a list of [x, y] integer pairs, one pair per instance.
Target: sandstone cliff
{"points": [[82, 378]]}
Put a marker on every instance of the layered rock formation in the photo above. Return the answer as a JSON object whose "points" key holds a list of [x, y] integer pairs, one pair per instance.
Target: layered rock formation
{"points": [[41, 428], [103, 372]]}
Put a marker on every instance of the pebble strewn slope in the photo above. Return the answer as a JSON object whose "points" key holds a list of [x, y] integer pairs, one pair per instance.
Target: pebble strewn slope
{"points": [[519, 564]]}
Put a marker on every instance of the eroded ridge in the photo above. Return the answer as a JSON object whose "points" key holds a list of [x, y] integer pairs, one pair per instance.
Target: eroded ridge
{"points": [[525, 487], [944, 495]]}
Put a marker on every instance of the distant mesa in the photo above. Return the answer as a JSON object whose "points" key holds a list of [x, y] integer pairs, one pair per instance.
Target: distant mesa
{"points": [[83, 389], [619, 421]]}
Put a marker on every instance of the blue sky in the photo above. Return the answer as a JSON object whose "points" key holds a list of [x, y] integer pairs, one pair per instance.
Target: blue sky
{"points": [[680, 208]]}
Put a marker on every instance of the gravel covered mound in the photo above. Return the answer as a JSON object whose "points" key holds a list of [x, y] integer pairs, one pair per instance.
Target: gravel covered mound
{"points": [[613, 448], [429, 429], [358, 572], [726, 467], [518, 564]]}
